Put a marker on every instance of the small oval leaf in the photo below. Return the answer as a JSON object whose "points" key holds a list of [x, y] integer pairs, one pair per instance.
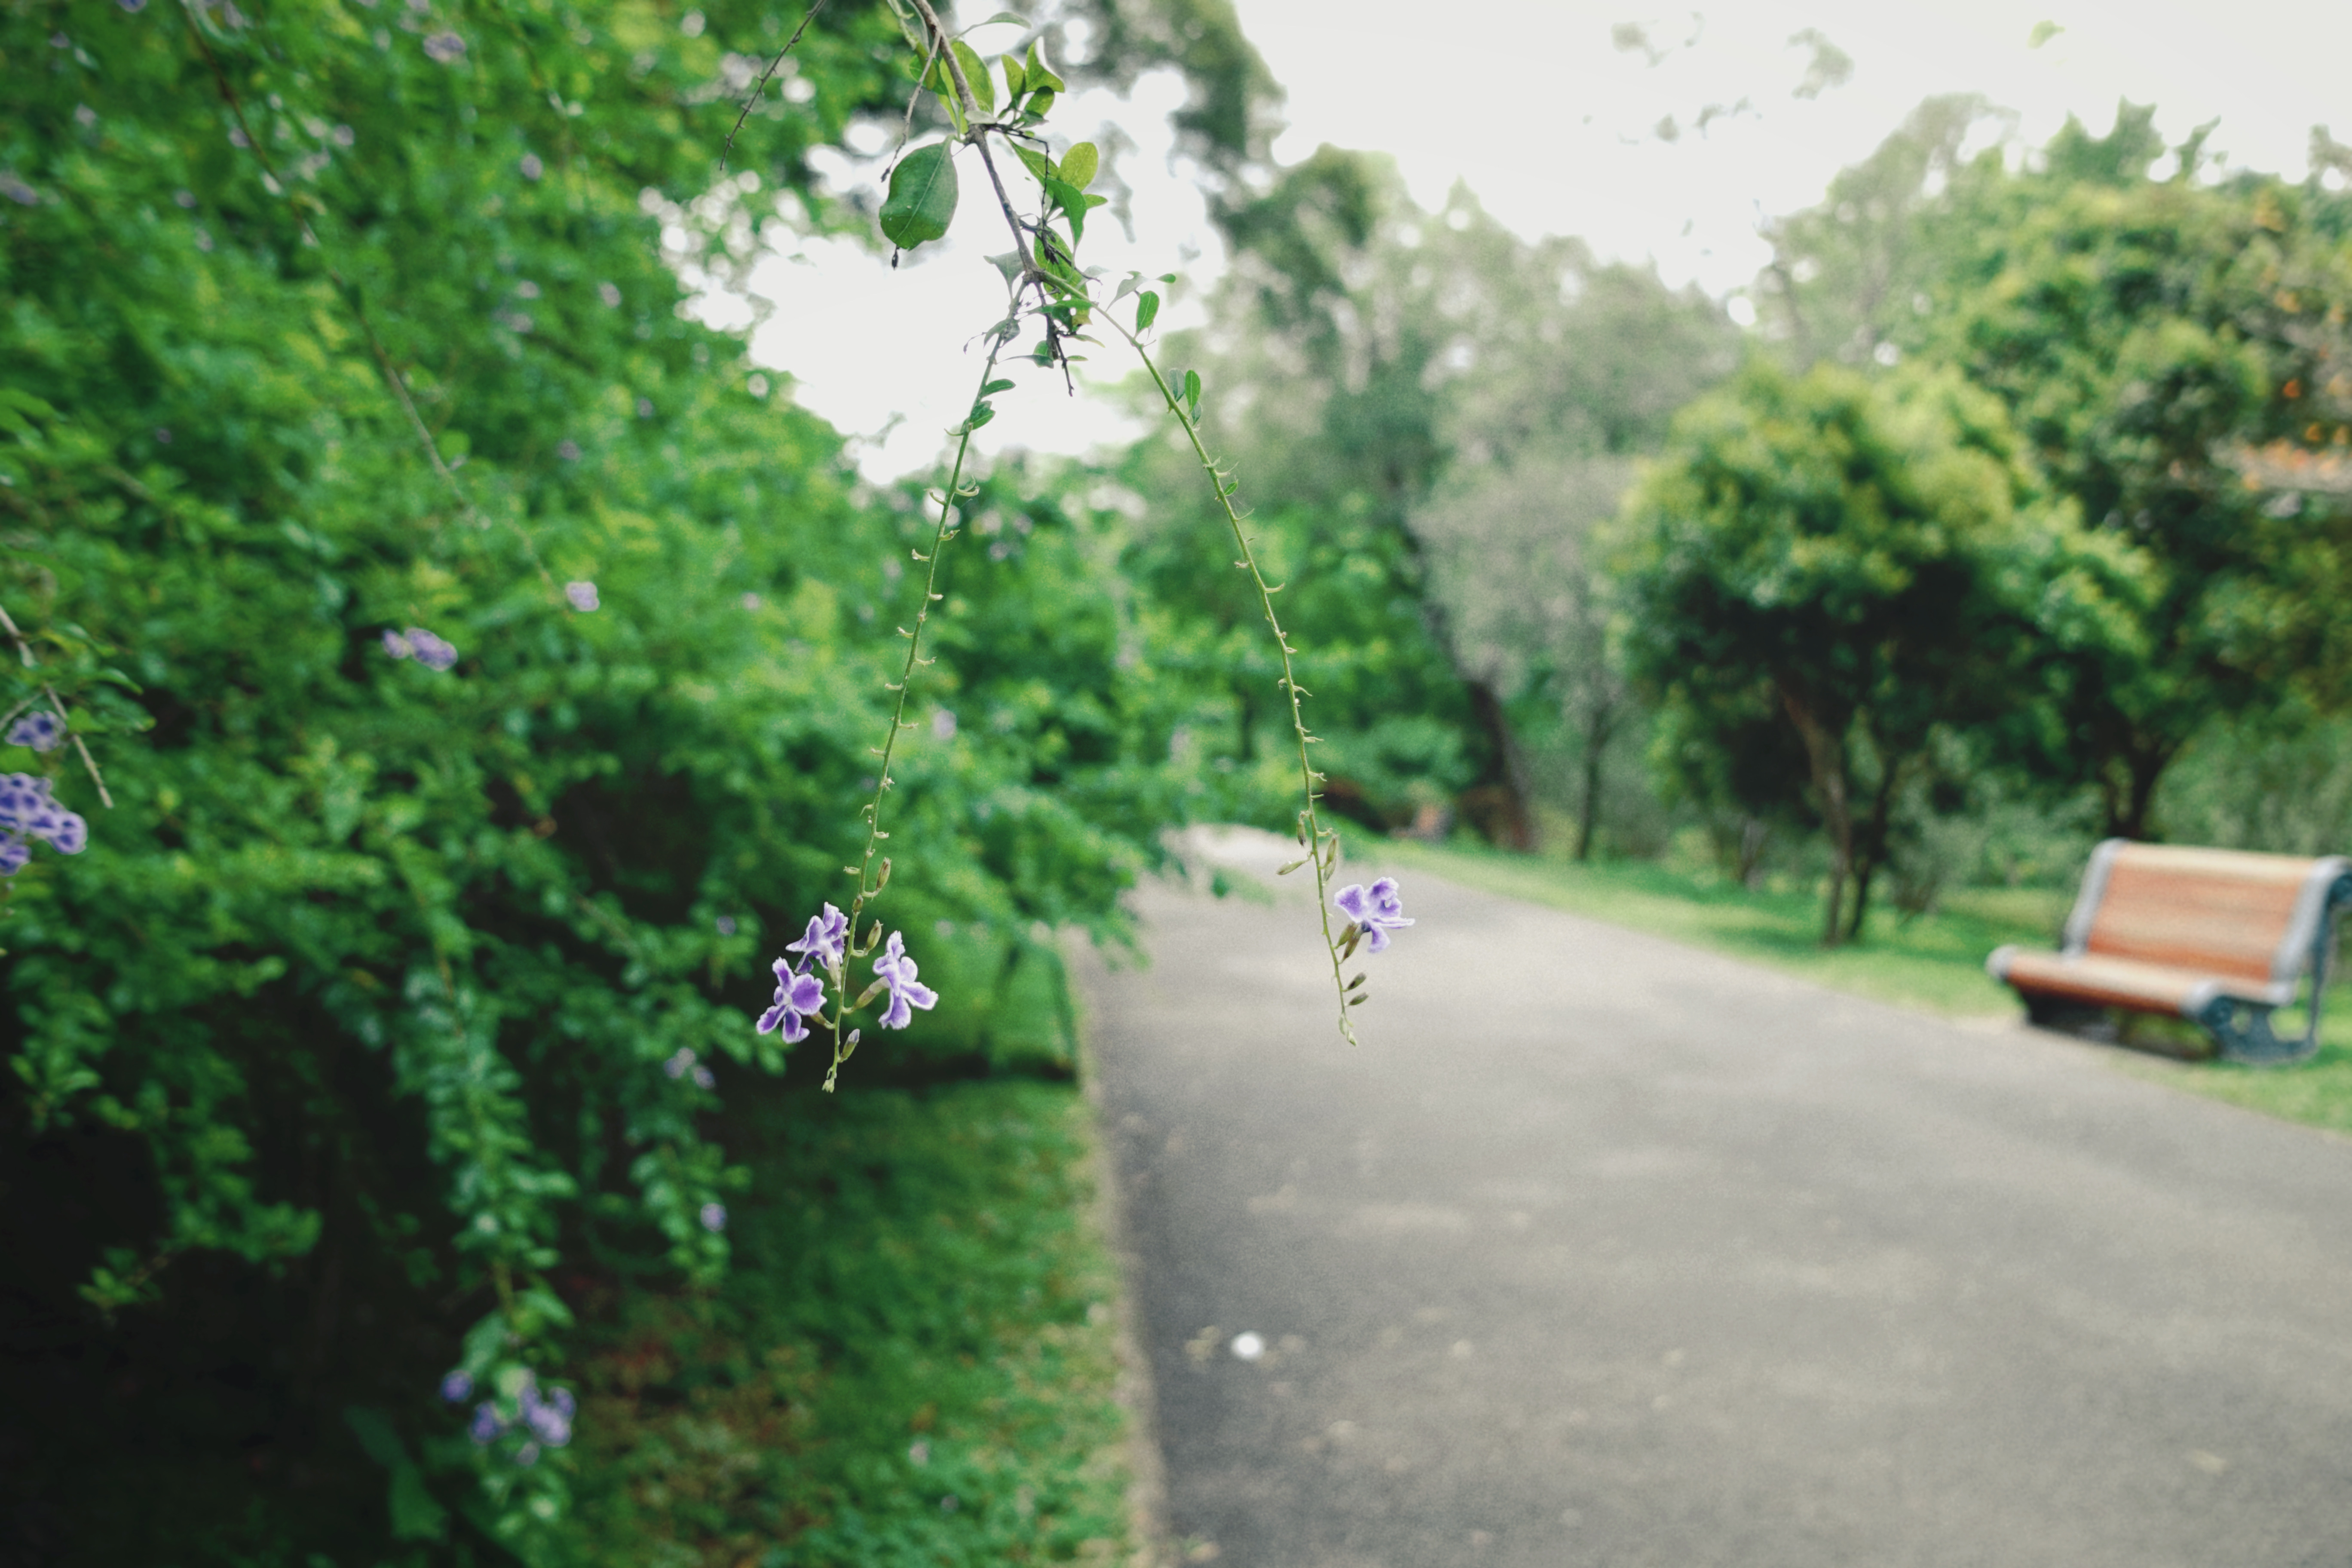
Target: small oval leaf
{"points": [[1079, 163], [975, 76], [1147, 308], [923, 200]]}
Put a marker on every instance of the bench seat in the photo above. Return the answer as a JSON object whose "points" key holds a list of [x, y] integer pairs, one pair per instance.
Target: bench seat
{"points": [[2218, 936]]}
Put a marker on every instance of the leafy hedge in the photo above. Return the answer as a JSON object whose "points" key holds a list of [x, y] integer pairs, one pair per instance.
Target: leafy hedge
{"points": [[403, 983]]}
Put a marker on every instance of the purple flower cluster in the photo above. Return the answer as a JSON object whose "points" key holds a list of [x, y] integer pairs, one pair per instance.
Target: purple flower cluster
{"points": [[542, 1418], [41, 732], [1375, 911], [823, 949], [582, 596], [28, 812], [897, 972], [428, 650], [682, 1062], [800, 990]]}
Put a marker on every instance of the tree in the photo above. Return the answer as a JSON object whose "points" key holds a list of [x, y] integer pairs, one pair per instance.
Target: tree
{"points": [[2149, 338], [1835, 569], [1512, 563]]}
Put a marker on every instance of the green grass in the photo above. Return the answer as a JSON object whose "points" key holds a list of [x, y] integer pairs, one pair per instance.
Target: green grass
{"points": [[910, 1363], [1933, 961]]}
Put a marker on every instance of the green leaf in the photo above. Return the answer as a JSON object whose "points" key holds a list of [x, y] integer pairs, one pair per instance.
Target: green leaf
{"points": [[1039, 104], [1147, 310], [1073, 202], [1015, 82], [923, 200], [415, 1515], [982, 413], [1192, 393], [1079, 163], [1033, 160], [1039, 75], [373, 1430], [993, 387], [975, 76]]}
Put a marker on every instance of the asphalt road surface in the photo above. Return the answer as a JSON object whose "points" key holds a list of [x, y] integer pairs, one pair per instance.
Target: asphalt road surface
{"points": [[1604, 1250]]}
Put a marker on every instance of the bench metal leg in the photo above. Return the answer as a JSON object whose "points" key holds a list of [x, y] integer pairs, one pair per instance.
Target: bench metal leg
{"points": [[2241, 1031]]}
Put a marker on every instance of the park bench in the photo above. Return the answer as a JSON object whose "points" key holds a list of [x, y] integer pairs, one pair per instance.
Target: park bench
{"points": [[2219, 937]]}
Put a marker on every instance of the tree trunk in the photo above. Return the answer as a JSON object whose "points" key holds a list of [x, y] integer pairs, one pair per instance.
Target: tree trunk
{"points": [[1504, 775], [1825, 757], [2131, 808], [1871, 847], [1601, 717]]}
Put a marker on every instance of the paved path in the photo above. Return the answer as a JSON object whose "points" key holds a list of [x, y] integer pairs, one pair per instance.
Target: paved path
{"points": [[1603, 1250]]}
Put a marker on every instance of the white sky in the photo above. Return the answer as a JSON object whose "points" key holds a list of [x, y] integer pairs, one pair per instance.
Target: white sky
{"points": [[1555, 130]]}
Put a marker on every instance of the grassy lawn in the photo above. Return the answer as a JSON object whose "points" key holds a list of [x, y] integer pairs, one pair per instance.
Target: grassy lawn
{"points": [[1933, 961], [911, 1362]]}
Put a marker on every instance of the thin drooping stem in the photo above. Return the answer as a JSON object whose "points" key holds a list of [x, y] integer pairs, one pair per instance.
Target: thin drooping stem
{"points": [[1319, 841], [1321, 844], [760, 87], [56, 706], [868, 883]]}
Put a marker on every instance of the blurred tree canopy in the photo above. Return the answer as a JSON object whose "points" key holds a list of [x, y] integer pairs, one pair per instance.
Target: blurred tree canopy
{"points": [[1836, 570], [1399, 389], [2151, 338]]}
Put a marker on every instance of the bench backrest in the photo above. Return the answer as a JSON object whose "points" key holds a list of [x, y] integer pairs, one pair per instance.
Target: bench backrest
{"points": [[2217, 911]]}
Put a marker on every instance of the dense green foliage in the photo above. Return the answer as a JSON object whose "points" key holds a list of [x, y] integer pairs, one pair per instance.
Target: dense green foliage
{"points": [[1866, 569], [396, 990], [2153, 339]]}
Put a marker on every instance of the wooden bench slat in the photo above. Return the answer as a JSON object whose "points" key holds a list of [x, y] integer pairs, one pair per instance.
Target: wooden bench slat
{"points": [[2160, 914]]}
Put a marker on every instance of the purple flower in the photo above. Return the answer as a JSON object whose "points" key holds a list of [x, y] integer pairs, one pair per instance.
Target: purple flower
{"points": [[445, 47], [67, 834], [713, 1217], [726, 924], [42, 731], [559, 1400], [532, 168], [1376, 911], [527, 1455], [456, 1386], [797, 996], [820, 947], [681, 1060], [582, 594], [396, 644], [25, 805], [704, 1078], [898, 971], [486, 1425], [549, 1424], [431, 651], [13, 853], [568, 449]]}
